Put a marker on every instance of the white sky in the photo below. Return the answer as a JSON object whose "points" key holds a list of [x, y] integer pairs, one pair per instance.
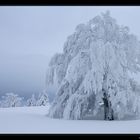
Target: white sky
{"points": [[30, 36]]}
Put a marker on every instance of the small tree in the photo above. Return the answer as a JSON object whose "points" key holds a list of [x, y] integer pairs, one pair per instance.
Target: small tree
{"points": [[43, 99], [31, 101], [11, 100]]}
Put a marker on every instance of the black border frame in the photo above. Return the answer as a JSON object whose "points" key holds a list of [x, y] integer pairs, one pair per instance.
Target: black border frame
{"points": [[69, 3]]}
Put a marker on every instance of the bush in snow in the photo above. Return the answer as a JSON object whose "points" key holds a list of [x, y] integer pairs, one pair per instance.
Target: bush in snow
{"points": [[11, 100], [91, 76]]}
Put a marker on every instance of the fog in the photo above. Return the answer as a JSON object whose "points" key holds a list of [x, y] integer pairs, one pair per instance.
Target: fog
{"points": [[30, 36]]}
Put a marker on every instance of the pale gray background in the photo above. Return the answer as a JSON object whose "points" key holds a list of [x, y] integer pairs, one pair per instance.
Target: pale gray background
{"points": [[29, 37]]}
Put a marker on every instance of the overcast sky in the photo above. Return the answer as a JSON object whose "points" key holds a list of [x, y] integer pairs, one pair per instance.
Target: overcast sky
{"points": [[30, 36]]}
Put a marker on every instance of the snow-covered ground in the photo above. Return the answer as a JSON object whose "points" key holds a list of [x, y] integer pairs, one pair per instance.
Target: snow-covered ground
{"points": [[34, 120]]}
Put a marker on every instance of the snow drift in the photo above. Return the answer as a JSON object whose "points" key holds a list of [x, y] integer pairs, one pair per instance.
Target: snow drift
{"points": [[91, 77], [33, 120]]}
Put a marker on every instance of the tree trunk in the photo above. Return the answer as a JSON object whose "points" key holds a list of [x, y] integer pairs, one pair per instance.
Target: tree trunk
{"points": [[108, 111]]}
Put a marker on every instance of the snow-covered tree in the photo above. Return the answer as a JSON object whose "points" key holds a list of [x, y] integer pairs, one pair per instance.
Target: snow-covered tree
{"points": [[42, 99], [91, 76], [11, 100], [31, 101]]}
